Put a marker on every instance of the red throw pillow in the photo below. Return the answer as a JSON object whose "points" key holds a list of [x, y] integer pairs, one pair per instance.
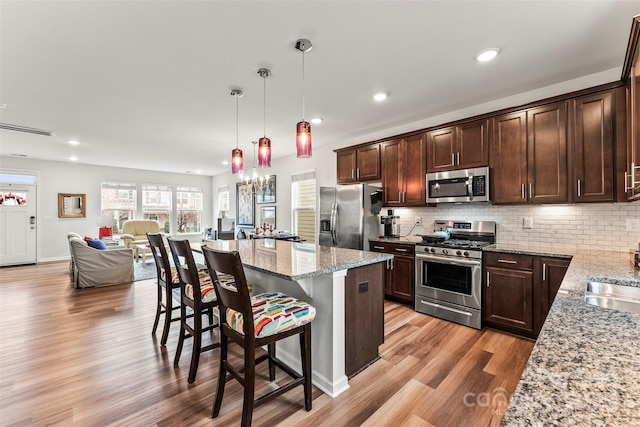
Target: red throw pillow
{"points": [[87, 238]]}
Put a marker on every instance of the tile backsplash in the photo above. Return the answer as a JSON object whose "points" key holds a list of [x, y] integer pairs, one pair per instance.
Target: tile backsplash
{"points": [[583, 226]]}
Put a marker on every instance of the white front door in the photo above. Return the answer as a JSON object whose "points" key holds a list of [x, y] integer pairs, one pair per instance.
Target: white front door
{"points": [[17, 224]]}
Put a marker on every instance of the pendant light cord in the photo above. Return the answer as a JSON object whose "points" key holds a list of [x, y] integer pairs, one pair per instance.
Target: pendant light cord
{"points": [[237, 119], [303, 85], [264, 107]]}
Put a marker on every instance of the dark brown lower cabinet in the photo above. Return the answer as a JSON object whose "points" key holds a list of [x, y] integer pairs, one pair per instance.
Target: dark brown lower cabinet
{"points": [[364, 316], [518, 291], [400, 273]]}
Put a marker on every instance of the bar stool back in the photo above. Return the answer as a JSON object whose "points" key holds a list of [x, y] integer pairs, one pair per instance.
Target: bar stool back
{"points": [[253, 323]]}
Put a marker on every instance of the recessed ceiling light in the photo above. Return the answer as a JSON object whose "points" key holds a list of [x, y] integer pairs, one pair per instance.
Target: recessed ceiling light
{"points": [[73, 158], [317, 120], [73, 142], [225, 162], [487, 54], [380, 96], [198, 171]]}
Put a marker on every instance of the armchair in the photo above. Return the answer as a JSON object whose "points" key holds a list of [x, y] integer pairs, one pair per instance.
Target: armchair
{"points": [[134, 232], [94, 267]]}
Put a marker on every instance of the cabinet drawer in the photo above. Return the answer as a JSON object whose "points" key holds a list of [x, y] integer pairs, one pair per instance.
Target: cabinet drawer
{"points": [[392, 248], [506, 260]]}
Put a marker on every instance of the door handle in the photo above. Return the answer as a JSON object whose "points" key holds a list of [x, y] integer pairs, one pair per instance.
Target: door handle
{"points": [[32, 221], [579, 189], [544, 272], [506, 261], [530, 190], [523, 196], [357, 173], [400, 250], [487, 279], [453, 159], [458, 158]]}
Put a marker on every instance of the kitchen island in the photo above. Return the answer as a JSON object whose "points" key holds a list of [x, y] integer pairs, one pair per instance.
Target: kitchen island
{"points": [[330, 279], [584, 366]]}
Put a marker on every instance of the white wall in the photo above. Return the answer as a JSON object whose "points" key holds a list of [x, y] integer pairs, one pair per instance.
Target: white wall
{"points": [[64, 177]]}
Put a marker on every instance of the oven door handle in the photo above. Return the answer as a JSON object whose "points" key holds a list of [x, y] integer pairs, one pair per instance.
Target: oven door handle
{"points": [[453, 261]]}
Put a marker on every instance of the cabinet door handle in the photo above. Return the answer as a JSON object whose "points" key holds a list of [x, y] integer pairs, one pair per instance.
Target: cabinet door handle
{"points": [[487, 279], [544, 272], [401, 250], [530, 190], [506, 261], [392, 263], [453, 159], [378, 247], [404, 197], [357, 173], [458, 158], [579, 188], [353, 174], [523, 196]]}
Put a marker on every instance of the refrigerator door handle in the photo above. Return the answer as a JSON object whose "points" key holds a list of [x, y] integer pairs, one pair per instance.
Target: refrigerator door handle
{"points": [[334, 217]]}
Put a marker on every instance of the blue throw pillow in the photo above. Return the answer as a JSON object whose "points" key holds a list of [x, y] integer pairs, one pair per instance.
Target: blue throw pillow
{"points": [[97, 244]]}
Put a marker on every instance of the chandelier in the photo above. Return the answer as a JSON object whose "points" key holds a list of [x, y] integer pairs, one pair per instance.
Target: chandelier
{"points": [[258, 183]]}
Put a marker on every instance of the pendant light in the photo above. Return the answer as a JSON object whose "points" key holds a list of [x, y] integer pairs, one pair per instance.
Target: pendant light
{"points": [[303, 128], [237, 163], [264, 143]]}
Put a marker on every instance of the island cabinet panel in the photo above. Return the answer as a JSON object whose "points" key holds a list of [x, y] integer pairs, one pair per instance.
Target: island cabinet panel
{"points": [[509, 158], [547, 154], [592, 148], [358, 164], [364, 316], [399, 276], [404, 171]]}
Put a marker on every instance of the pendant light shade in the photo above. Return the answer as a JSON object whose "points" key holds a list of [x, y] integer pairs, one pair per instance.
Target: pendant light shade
{"points": [[237, 161], [264, 152], [303, 139], [264, 143], [303, 128]]}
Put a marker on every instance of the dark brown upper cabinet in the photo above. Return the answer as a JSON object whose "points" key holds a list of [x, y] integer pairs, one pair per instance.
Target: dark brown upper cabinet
{"points": [[458, 147], [358, 164], [404, 171], [631, 76], [529, 156], [592, 148]]}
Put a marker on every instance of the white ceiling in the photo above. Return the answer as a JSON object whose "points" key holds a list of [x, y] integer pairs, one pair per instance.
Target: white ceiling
{"points": [[146, 84]]}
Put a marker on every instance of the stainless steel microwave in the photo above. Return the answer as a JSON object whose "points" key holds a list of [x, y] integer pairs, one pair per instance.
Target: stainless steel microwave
{"points": [[461, 186]]}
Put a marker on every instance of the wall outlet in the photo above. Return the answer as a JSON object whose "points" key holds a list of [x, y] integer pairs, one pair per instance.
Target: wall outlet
{"points": [[418, 220], [633, 224], [528, 222]]}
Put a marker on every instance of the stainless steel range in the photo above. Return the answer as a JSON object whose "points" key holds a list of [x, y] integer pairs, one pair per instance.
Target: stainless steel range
{"points": [[449, 271]]}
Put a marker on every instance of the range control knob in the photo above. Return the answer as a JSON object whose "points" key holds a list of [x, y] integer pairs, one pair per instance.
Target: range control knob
{"points": [[466, 253], [444, 251], [433, 250], [458, 253]]}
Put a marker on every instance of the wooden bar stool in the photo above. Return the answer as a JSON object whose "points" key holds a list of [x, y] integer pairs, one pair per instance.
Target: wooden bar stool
{"points": [[197, 294], [168, 282], [256, 322]]}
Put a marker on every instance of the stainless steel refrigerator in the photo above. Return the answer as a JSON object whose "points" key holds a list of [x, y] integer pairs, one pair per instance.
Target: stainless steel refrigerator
{"points": [[347, 219]]}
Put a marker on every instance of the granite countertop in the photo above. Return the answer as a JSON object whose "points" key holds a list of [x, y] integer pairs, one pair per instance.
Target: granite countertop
{"points": [[584, 367], [293, 260], [407, 240]]}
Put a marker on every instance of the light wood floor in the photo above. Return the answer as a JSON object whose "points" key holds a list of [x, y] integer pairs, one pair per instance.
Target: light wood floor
{"points": [[87, 357]]}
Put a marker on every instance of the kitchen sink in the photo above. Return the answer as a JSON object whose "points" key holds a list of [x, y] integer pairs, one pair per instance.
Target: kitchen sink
{"points": [[616, 297]]}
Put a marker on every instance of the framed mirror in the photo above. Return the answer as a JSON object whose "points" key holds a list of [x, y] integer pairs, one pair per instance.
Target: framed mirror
{"points": [[268, 216], [72, 205]]}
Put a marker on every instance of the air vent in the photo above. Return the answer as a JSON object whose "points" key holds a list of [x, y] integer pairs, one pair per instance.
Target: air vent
{"points": [[18, 155], [25, 129]]}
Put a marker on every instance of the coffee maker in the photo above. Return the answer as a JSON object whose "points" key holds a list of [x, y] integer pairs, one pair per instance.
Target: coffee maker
{"points": [[390, 224]]}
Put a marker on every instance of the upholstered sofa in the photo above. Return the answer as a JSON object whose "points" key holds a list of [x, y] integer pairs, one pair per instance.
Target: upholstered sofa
{"points": [[134, 232], [95, 267]]}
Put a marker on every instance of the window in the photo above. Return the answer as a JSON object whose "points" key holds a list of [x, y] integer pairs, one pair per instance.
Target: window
{"points": [[156, 204], [303, 203], [118, 201], [223, 200], [189, 206]]}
